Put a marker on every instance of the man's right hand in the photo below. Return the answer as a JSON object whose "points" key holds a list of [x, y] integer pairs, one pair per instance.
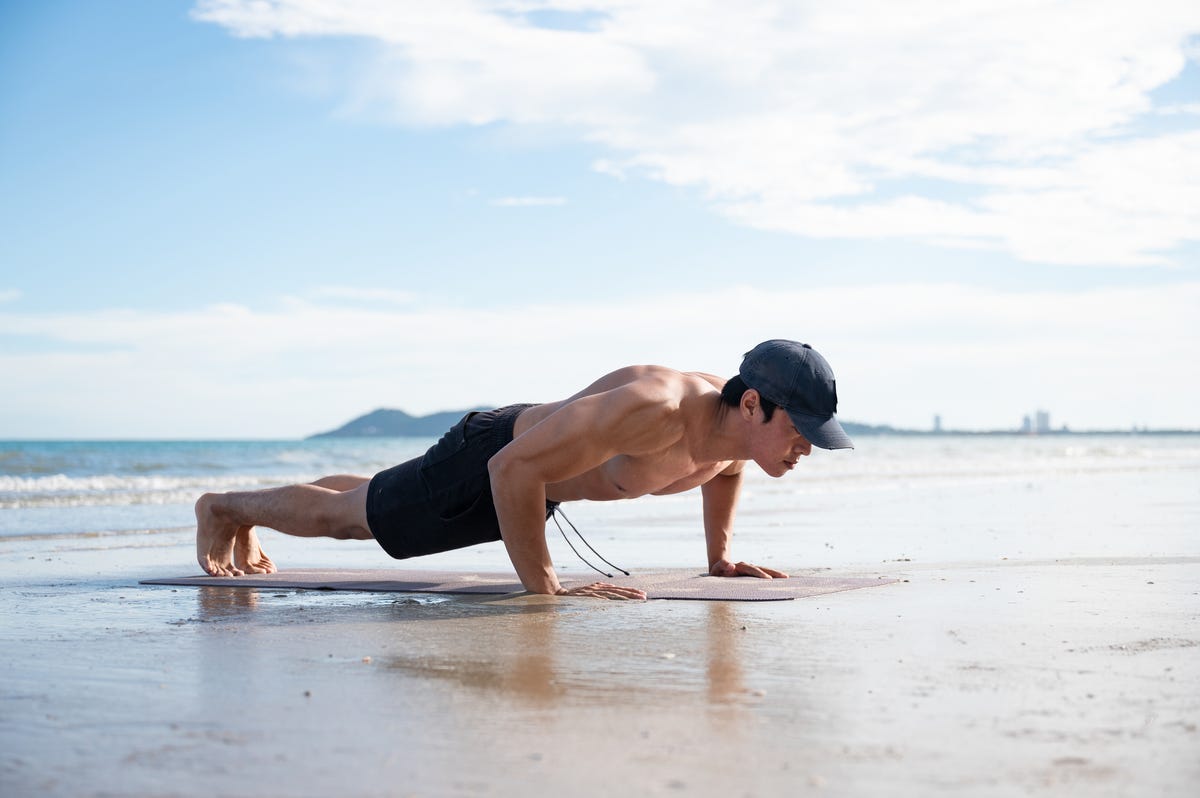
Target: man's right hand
{"points": [[727, 568], [603, 590]]}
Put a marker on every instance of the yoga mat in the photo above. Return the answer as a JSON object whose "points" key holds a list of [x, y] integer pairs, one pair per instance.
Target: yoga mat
{"points": [[674, 584]]}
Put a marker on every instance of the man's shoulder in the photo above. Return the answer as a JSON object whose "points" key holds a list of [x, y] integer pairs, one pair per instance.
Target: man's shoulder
{"points": [[708, 379], [642, 395], [665, 396], [658, 395]]}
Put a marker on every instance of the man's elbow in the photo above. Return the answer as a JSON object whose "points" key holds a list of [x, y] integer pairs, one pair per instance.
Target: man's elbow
{"points": [[497, 465], [503, 468], [513, 472]]}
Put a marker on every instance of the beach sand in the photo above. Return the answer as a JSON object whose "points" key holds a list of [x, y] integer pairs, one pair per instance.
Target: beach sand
{"points": [[1045, 640], [1075, 677]]}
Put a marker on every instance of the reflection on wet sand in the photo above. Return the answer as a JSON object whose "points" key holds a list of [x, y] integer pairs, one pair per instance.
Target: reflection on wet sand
{"points": [[466, 655], [511, 653], [543, 653], [725, 679], [216, 603]]}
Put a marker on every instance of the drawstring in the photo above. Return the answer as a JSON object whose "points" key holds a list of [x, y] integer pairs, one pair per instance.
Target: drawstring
{"points": [[554, 514]]}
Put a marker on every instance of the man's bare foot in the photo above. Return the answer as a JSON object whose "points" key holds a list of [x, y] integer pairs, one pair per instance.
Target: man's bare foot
{"points": [[248, 554], [214, 539]]}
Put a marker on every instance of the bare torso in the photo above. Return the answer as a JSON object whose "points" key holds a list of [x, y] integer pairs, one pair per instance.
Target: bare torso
{"points": [[676, 466]]}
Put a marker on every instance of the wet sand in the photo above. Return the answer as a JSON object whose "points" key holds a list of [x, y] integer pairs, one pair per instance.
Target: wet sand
{"points": [[1068, 677], [1046, 642]]}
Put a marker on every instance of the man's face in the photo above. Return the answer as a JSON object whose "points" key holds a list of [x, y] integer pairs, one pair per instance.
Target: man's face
{"points": [[779, 445]]}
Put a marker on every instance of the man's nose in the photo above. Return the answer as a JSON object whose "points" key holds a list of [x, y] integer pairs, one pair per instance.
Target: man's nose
{"points": [[803, 448]]}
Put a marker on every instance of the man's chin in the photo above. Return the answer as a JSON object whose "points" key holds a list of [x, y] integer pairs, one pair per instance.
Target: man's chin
{"points": [[776, 470]]}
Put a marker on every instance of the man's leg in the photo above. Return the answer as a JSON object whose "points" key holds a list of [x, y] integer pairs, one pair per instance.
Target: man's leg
{"points": [[248, 554], [225, 521], [342, 481]]}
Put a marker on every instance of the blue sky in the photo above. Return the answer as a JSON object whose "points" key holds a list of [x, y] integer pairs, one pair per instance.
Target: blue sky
{"points": [[228, 219]]}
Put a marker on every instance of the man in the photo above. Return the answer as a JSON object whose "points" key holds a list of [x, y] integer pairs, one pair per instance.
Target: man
{"points": [[500, 475]]}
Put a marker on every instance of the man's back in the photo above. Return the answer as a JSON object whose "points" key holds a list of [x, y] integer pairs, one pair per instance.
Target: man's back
{"points": [[650, 421]]}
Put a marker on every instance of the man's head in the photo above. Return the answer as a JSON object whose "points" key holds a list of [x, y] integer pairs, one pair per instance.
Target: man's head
{"points": [[795, 377]]}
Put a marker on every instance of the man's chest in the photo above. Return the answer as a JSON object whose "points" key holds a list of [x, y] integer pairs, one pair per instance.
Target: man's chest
{"points": [[658, 474]]}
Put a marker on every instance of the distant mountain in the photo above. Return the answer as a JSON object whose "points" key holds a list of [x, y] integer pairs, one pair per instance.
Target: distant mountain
{"points": [[854, 428], [385, 423]]}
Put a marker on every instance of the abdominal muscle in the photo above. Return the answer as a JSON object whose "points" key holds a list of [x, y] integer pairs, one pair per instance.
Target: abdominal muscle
{"points": [[625, 477]]}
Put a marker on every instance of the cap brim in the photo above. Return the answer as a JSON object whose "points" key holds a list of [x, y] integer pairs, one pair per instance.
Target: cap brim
{"points": [[822, 432]]}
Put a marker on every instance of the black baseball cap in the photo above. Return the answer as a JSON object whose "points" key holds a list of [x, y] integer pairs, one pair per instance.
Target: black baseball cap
{"points": [[795, 377]]}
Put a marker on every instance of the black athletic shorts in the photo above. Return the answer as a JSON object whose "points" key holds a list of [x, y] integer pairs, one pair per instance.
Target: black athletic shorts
{"points": [[442, 500]]}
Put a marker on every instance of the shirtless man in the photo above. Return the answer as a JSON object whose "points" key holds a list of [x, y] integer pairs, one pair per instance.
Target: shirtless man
{"points": [[500, 475]]}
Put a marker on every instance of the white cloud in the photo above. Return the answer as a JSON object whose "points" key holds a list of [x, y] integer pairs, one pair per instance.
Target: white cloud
{"points": [[993, 124], [1120, 203], [9, 295], [1189, 109], [979, 357], [527, 202]]}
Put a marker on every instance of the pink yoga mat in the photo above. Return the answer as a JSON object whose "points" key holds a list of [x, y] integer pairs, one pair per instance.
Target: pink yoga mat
{"points": [[673, 584]]}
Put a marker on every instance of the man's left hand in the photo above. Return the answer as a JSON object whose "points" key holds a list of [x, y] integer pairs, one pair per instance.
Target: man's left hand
{"points": [[727, 568]]}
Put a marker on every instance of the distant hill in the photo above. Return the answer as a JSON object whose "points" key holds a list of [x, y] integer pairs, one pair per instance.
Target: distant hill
{"points": [[385, 423], [854, 428]]}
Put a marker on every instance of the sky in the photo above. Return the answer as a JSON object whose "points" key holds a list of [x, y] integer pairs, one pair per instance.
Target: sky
{"points": [[236, 219]]}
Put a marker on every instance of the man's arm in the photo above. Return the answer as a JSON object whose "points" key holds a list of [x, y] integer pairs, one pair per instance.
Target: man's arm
{"points": [[633, 419], [720, 496]]}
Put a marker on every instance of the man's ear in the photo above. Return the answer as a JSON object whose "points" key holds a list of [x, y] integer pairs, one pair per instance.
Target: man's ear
{"points": [[750, 403]]}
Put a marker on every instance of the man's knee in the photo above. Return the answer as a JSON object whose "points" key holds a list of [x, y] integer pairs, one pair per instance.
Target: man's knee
{"points": [[347, 519]]}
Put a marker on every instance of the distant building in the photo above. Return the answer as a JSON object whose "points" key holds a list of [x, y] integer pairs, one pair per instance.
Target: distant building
{"points": [[937, 423], [1037, 424], [1043, 422]]}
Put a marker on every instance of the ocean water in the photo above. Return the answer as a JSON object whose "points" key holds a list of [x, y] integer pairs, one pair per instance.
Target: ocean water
{"points": [[892, 498], [98, 488]]}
